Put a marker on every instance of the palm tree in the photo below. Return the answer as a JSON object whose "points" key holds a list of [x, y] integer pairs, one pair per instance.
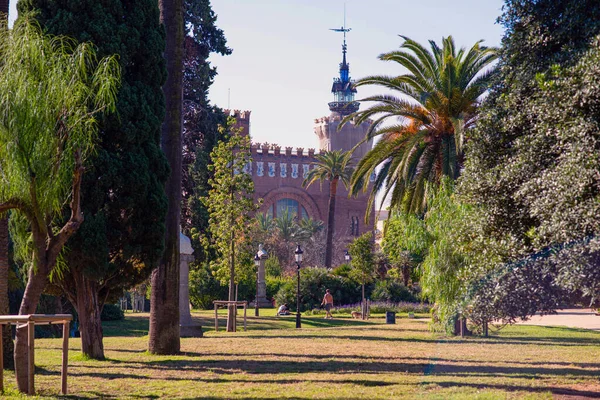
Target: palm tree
{"points": [[164, 336], [422, 124], [332, 166]]}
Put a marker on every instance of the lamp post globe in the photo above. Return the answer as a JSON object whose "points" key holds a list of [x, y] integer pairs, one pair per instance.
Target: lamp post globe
{"points": [[298, 255]]}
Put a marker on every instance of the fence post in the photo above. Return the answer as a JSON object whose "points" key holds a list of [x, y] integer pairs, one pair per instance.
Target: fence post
{"points": [[31, 355], [65, 357]]}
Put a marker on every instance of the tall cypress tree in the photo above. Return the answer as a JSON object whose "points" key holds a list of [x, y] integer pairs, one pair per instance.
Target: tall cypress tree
{"points": [[124, 200], [201, 119]]}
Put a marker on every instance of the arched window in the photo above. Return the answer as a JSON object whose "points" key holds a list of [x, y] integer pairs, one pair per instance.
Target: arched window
{"points": [[292, 206]]}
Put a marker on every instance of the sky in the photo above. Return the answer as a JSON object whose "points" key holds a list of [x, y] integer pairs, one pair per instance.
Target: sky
{"points": [[285, 57]]}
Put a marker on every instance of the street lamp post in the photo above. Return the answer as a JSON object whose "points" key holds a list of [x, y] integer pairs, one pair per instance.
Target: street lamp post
{"points": [[298, 254], [257, 264]]}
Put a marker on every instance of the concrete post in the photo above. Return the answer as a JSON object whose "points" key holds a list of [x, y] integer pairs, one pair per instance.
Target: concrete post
{"points": [[187, 327]]}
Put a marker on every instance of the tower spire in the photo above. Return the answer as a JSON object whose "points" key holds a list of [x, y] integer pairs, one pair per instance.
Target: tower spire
{"points": [[343, 88]]}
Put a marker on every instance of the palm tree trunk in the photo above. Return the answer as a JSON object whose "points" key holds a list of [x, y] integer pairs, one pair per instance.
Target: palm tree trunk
{"points": [[164, 313], [330, 222], [6, 339]]}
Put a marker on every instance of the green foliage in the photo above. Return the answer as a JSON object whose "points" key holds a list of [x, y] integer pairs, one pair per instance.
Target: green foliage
{"points": [[274, 283], [392, 291], [422, 137], [124, 202], [363, 262], [272, 266], [41, 134], [313, 282], [330, 166], [333, 166], [343, 270], [533, 164], [280, 235], [405, 237], [201, 119], [230, 205], [204, 287], [112, 312], [51, 91]]}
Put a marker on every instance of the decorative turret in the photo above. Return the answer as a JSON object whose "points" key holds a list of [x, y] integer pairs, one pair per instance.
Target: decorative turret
{"points": [[343, 87]]}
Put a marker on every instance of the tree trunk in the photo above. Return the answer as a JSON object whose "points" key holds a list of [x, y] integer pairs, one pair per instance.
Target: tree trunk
{"points": [[405, 274], [88, 311], [164, 313], [6, 340], [330, 222], [364, 303], [35, 286], [4, 8], [231, 309]]}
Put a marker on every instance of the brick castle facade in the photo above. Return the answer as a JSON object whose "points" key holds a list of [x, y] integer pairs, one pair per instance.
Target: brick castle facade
{"points": [[278, 173]]}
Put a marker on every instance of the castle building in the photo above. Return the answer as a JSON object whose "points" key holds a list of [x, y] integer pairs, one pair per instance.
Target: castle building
{"points": [[278, 173]]}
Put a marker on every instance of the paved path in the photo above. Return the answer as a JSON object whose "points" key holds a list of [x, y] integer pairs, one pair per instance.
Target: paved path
{"points": [[572, 318]]}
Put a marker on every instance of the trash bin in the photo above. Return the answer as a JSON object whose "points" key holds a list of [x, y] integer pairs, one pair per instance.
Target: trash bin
{"points": [[390, 317]]}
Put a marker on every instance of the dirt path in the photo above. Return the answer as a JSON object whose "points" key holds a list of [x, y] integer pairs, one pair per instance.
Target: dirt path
{"points": [[573, 318]]}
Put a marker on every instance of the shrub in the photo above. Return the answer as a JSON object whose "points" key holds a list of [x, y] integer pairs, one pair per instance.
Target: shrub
{"points": [[379, 307], [393, 291], [274, 283], [313, 282], [272, 266], [112, 312]]}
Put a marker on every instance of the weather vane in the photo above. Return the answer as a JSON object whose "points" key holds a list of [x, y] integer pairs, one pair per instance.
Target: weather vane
{"points": [[343, 28]]}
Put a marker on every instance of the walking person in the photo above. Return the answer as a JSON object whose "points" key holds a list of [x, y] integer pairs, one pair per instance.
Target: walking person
{"points": [[328, 304]]}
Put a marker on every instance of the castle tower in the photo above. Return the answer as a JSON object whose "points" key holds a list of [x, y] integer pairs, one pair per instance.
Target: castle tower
{"points": [[343, 104], [242, 119]]}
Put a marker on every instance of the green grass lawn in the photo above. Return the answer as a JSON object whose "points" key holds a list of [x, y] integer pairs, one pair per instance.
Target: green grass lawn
{"points": [[328, 359]]}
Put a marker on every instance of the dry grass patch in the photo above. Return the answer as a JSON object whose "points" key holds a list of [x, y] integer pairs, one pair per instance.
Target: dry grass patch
{"points": [[339, 359]]}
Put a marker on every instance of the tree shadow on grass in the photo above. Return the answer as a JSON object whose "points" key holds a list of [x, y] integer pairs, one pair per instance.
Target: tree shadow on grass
{"points": [[555, 390]]}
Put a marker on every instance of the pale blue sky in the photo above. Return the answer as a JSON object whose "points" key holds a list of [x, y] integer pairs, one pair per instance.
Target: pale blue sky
{"points": [[284, 56]]}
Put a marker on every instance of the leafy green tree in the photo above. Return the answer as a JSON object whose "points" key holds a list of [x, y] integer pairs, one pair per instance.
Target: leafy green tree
{"points": [[332, 166], [201, 119], [363, 263], [122, 238], [405, 243], [532, 163], [6, 339], [44, 141], [422, 124], [230, 205]]}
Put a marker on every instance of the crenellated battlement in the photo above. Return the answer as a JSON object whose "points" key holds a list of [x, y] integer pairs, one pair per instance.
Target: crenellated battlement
{"points": [[273, 149], [238, 114]]}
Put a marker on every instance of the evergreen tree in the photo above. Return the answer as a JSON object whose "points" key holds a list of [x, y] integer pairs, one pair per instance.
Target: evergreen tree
{"points": [[230, 205], [201, 119], [122, 237]]}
